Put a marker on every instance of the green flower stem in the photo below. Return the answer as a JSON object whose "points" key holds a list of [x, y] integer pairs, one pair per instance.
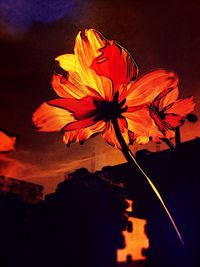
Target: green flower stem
{"points": [[132, 160]]}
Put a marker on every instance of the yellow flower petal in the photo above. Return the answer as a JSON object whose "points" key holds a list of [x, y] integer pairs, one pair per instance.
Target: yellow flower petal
{"points": [[83, 134], [51, 119], [68, 62], [146, 89], [182, 107], [78, 65]]}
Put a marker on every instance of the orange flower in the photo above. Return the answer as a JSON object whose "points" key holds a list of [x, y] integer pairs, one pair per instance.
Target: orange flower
{"points": [[169, 113], [100, 93], [87, 100], [100, 85], [164, 113]]}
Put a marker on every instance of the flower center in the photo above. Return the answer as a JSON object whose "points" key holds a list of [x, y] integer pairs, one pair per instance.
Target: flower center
{"points": [[108, 110]]}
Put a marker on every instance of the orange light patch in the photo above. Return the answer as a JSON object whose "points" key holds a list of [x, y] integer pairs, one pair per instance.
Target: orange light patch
{"points": [[135, 241], [7, 143], [130, 207]]}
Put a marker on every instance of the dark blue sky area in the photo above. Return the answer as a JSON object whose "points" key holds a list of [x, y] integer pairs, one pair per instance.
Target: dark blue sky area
{"points": [[23, 13]]}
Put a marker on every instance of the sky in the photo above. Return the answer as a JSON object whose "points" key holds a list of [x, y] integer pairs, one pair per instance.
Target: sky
{"points": [[159, 34]]}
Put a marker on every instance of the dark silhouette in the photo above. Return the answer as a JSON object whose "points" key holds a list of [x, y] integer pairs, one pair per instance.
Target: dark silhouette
{"points": [[81, 224], [17, 198]]}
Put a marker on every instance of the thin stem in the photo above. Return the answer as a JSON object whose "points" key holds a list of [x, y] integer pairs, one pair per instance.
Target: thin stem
{"points": [[177, 136], [131, 159], [169, 143]]}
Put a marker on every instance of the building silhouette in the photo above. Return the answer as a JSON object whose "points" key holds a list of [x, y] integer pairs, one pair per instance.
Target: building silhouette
{"points": [[17, 198], [81, 224]]}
